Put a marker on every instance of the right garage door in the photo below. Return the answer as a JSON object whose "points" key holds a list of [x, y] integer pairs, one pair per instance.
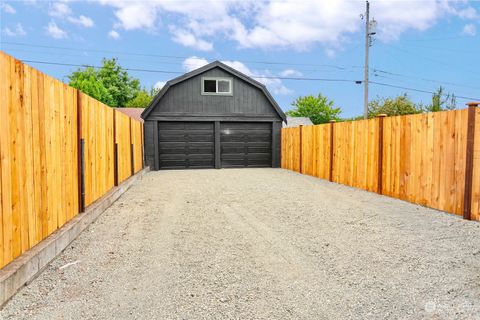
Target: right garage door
{"points": [[245, 144]]}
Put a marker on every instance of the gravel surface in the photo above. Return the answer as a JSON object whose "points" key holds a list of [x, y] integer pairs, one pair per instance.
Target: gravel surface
{"points": [[260, 244]]}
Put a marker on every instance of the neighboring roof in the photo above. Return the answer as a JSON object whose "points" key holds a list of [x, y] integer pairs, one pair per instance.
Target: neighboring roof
{"points": [[215, 64], [135, 113], [297, 121]]}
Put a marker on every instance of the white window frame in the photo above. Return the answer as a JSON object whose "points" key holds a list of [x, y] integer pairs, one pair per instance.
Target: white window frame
{"points": [[230, 81]]}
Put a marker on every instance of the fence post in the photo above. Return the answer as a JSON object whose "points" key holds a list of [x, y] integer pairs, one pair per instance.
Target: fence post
{"points": [[115, 149], [467, 204], [132, 161], [380, 153], [300, 128], [330, 175], [143, 144], [80, 154]]}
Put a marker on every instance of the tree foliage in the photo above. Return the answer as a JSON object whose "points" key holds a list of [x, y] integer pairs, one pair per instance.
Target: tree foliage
{"points": [[402, 104], [110, 84], [143, 98], [397, 106], [319, 109], [88, 82], [442, 101]]}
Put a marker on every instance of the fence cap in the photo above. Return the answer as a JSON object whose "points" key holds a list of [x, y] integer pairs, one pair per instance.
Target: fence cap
{"points": [[473, 104], [381, 115], [332, 121]]}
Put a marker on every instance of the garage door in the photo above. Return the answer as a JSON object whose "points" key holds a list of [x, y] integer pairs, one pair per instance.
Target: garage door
{"points": [[246, 144], [186, 145]]}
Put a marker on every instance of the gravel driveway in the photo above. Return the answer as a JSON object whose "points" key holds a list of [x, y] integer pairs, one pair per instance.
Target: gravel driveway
{"points": [[260, 244]]}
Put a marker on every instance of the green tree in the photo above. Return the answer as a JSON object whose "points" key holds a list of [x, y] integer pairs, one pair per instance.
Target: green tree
{"points": [[118, 82], [88, 82], [112, 78], [142, 99], [319, 109], [397, 106], [442, 101]]}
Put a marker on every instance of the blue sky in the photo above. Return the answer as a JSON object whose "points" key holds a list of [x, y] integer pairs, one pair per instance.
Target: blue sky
{"points": [[419, 44]]}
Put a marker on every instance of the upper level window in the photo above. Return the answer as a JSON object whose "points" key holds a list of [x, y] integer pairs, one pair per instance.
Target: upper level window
{"points": [[216, 86]]}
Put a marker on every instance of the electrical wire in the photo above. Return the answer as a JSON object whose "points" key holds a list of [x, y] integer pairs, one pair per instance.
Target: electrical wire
{"points": [[337, 67], [423, 79], [181, 57], [178, 72], [418, 90]]}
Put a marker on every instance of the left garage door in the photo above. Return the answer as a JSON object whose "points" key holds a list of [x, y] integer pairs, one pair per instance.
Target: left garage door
{"points": [[185, 145]]}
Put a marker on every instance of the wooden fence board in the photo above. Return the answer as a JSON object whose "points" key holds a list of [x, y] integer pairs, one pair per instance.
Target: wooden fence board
{"points": [[476, 170], [423, 158], [39, 155]]}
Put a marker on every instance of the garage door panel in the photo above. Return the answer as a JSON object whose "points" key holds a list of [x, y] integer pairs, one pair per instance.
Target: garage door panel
{"points": [[199, 126], [202, 151], [232, 138], [259, 138], [172, 164], [248, 156], [178, 150], [186, 145], [259, 150], [246, 144], [227, 150], [201, 163], [171, 138], [200, 138], [247, 125]]}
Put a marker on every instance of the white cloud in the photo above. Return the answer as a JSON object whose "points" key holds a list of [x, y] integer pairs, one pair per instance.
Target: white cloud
{"points": [[189, 40], [18, 31], [193, 63], [59, 10], [136, 16], [55, 32], [263, 76], [469, 30], [7, 8], [159, 85], [82, 21], [290, 73], [284, 24], [114, 34]]}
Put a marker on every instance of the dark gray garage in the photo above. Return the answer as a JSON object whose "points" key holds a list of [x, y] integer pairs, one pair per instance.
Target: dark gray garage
{"points": [[213, 117]]}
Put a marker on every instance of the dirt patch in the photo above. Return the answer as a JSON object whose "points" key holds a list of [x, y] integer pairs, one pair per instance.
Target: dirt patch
{"points": [[259, 244]]}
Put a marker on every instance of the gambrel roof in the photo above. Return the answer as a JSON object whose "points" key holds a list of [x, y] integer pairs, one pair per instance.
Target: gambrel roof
{"points": [[215, 64]]}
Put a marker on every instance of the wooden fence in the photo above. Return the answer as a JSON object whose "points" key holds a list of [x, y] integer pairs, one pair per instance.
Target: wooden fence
{"points": [[432, 159], [45, 128]]}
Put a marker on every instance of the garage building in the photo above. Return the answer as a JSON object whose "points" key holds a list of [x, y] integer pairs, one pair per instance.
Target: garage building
{"points": [[213, 117]]}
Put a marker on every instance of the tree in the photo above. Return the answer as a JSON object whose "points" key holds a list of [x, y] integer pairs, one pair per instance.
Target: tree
{"points": [[110, 78], [397, 106], [142, 99], [319, 109], [87, 81], [439, 103], [121, 86]]}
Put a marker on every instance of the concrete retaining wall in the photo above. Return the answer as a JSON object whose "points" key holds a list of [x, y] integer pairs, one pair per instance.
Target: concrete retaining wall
{"points": [[26, 267]]}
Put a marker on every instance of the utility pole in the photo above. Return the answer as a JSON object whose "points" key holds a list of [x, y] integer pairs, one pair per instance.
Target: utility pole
{"points": [[368, 42], [367, 47]]}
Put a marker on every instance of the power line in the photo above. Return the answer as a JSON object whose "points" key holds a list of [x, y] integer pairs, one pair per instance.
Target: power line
{"points": [[180, 57], [418, 90], [424, 79], [154, 61], [258, 77], [178, 72], [337, 67]]}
